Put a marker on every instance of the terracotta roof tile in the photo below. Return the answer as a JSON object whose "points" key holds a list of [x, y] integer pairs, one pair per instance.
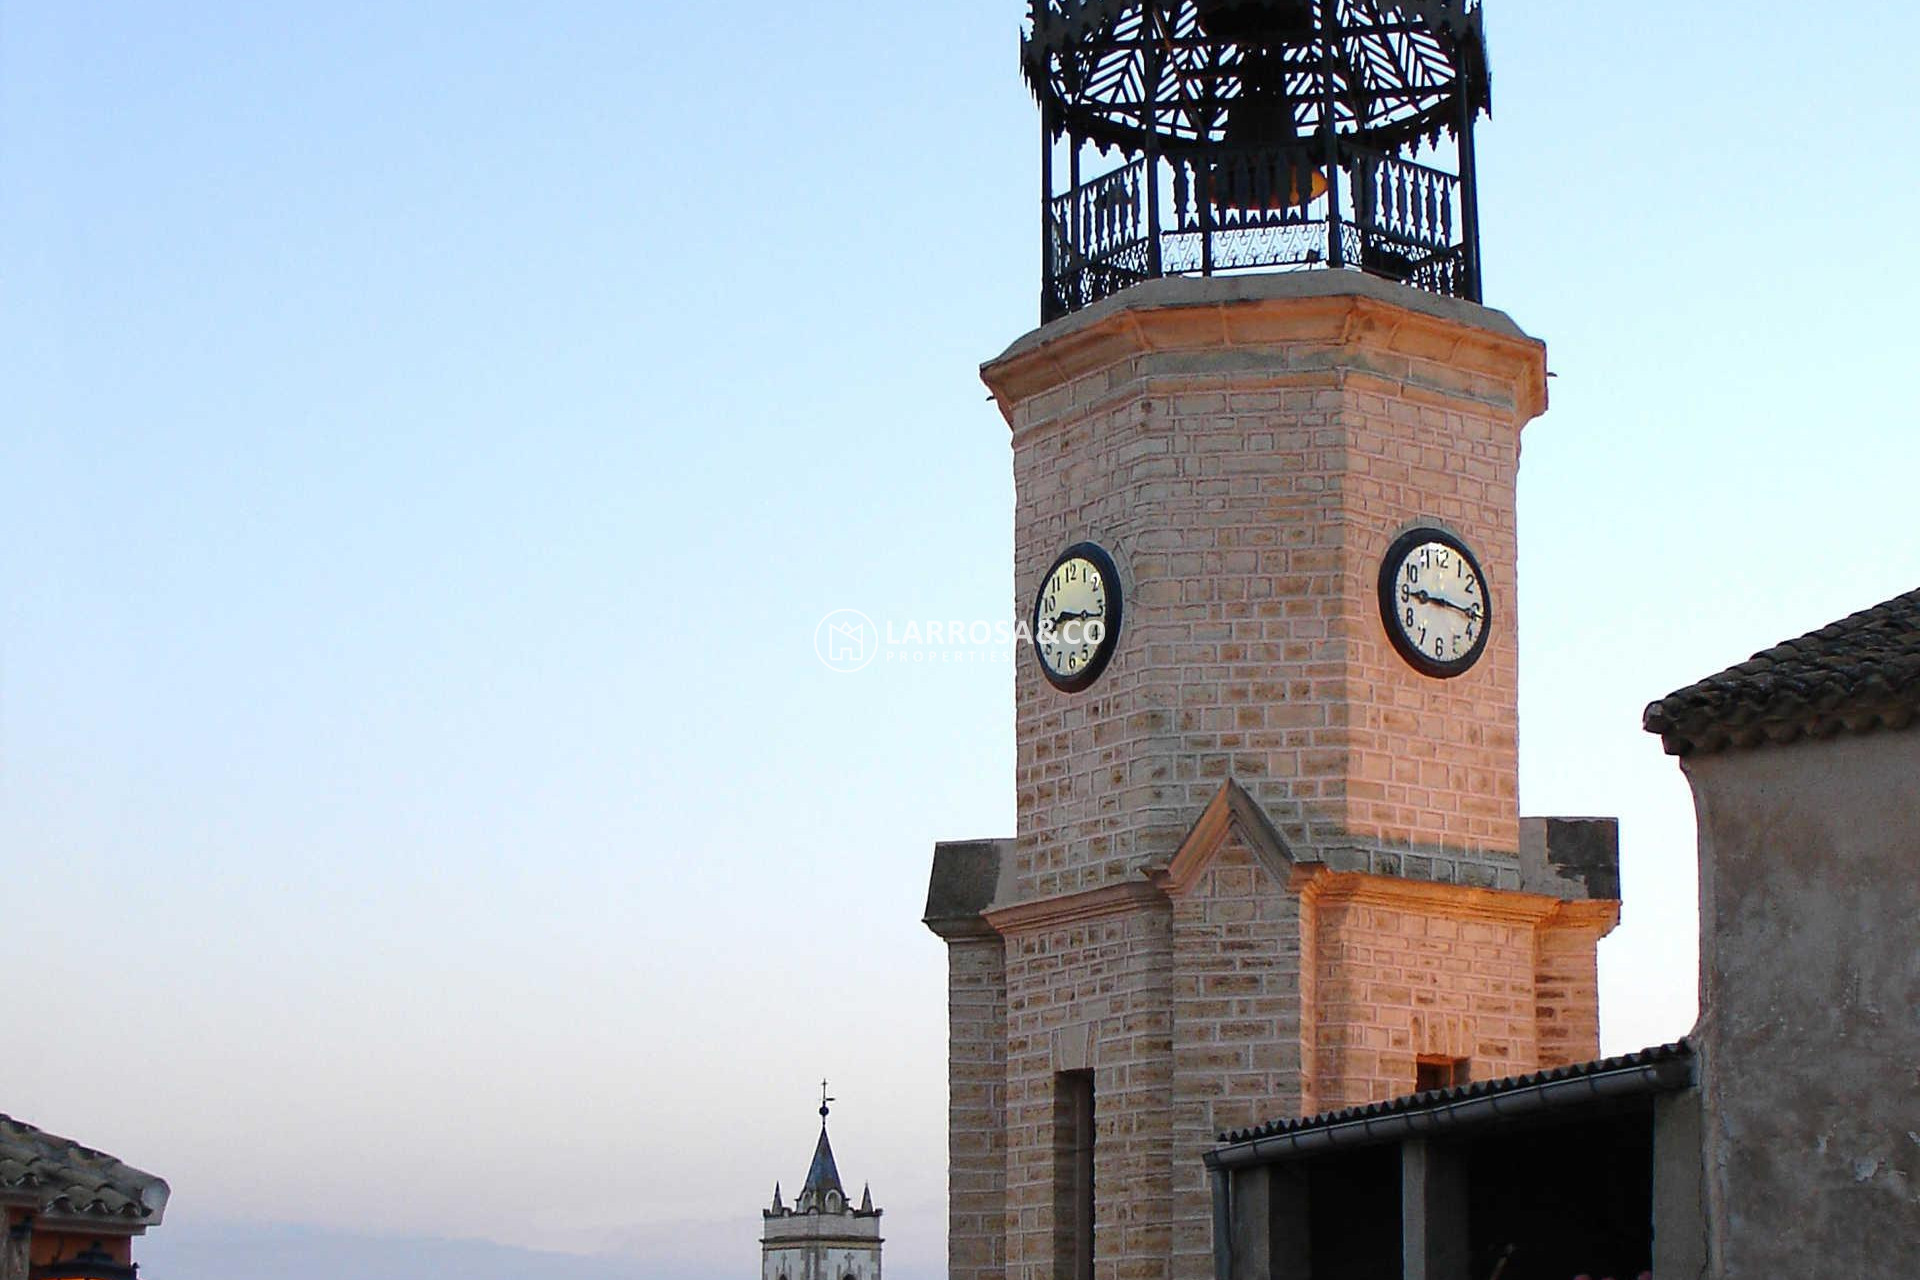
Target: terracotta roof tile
{"points": [[61, 1178], [1858, 674]]}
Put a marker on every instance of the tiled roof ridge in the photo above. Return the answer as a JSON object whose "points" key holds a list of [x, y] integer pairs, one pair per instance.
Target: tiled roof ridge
{"points": [[1855, 675], [1476, 1089], [67, 1177]]}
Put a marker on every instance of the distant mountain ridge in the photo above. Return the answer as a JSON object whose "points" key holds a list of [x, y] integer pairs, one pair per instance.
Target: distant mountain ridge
{"points": [[250, 1252]]}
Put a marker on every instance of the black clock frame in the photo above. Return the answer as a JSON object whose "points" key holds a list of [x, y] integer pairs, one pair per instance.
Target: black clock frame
{"points": [[1421, 661], [1096, 555]]}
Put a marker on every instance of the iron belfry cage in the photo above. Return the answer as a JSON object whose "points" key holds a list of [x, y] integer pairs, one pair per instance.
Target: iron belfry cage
{"points": [[1234, 135]]}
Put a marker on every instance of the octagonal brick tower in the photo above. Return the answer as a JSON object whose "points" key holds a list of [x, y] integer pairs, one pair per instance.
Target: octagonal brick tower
{"points": [[1269, 856]]}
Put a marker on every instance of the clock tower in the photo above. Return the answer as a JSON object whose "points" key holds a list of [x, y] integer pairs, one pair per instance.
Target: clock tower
{"points": [[1269, 857]]}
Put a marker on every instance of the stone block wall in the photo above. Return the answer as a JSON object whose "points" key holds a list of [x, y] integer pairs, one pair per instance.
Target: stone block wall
{"points": [[976, 1108], [1237, 1023], [1566, 995], [1091, 994], [1247, 449], [1397, 980], [1503, 980], [1248, 463]]}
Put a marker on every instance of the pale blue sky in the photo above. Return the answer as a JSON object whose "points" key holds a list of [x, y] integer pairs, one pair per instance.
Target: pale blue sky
{"points": [[432, 432]]}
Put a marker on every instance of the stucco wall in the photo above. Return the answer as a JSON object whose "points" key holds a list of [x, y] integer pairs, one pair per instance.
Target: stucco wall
{"points": [[1810, 986]]}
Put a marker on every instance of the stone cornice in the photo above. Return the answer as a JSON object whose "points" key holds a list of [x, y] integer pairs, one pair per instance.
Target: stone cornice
{"points": [[1333, 309], [1070, 908], [960, 928], [1506, 906], [965, 880], [1600, 914], [1230, 807]]}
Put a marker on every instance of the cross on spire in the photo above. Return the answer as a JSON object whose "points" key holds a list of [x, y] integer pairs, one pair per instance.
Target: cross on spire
{"points": [[824, 1100]]}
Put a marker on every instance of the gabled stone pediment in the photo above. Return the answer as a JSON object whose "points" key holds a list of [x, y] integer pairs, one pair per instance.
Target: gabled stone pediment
{"points": [[1230, 811]]}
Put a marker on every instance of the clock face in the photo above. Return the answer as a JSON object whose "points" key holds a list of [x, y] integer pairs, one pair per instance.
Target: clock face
{"points": [[1076, 617], [1434, 602]]}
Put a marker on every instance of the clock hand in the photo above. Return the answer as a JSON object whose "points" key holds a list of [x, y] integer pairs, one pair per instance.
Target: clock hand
{"points": [[1075, 617], [1427, 597]]}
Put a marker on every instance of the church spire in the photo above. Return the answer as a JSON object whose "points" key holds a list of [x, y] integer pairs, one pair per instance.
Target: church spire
{"points": [[822, 1235], [823, 1175]]}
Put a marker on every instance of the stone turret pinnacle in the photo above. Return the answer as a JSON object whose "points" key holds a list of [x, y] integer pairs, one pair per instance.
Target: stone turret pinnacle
{"points": [[821, 1235]]}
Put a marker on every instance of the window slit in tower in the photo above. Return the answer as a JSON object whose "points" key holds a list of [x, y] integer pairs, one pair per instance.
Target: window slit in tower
{"points": [[1073, 1175]]}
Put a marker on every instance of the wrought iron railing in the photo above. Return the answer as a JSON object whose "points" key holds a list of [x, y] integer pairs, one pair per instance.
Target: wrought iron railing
{"points": [[1225, 209], [1099, 239]]}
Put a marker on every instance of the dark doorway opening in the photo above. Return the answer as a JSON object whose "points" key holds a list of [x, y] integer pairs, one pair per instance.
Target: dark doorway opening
{"points": [[1561, 1200]]}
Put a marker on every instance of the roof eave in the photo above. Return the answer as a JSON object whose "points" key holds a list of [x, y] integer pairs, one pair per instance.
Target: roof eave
{"points": [[1664, 1075]]}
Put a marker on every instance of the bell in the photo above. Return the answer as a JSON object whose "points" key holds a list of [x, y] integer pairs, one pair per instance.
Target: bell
{"points": [[1266, 182], [1259, 22], [1267, 169]]}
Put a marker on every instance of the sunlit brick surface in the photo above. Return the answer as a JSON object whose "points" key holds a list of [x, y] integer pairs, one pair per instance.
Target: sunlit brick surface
{"points": [[1247, 457], [1248, 474]]}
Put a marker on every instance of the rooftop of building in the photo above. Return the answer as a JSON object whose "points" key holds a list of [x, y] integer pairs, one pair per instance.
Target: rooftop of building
{"points": [[59, 1178], [1664, 1068], [822, 1192], [1856, 675]]}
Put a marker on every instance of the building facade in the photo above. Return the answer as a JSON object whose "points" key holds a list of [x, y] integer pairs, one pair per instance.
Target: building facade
{"points": [[1269, 857], [1778, 1139], [1264, 864], [71, 1213], [822, 1236], [1805, 767]]}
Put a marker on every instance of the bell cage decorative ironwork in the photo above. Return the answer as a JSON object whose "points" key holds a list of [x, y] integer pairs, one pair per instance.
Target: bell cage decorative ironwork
{"points": [[1235, 135]]}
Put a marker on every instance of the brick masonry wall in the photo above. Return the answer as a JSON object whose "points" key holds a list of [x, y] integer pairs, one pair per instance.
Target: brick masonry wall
{"points": [[1396, 983], [1235, 998], [1247, 464], [1237, 1056], [1092, 995], [976, 1108], [1566, 996], [1507, 981], [1248, 489]]}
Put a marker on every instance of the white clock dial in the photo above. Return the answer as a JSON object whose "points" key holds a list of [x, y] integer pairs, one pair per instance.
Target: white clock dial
{"points": [[1076, 619], [1434, 602]]}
